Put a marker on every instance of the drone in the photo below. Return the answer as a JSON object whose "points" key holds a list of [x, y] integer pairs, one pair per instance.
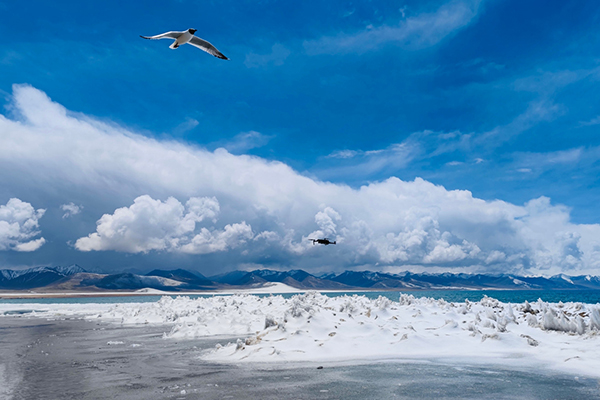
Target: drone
{"points": [[324, 241]]}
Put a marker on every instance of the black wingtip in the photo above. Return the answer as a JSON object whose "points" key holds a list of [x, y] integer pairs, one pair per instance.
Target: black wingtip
{"points": [[144, 37]]}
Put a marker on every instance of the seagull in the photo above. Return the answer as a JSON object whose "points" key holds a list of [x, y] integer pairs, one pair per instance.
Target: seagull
{"points": [[188, 37]]}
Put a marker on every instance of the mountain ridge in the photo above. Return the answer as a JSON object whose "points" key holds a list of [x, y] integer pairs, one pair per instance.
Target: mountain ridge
{"points": [[74, 277], [36, 277]]}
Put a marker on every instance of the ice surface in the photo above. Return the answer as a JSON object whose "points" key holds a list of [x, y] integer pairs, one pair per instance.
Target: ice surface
{"points": [[9, 380], [70, 359], [314, 327]]}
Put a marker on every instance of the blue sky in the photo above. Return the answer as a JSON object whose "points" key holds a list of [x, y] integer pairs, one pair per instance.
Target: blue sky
{"points": [[498, 98]]}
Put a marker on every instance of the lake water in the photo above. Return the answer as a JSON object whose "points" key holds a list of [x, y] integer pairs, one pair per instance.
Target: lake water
{"points": [[506, 296]]}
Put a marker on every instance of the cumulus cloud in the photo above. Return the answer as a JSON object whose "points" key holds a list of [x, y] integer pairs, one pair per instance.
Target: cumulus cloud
{"points": [[266, 210], [70, 209], [326, 220], [32, 245], [423, 240], [417, 32], [19, 224], [230, 237], [150, 224]]}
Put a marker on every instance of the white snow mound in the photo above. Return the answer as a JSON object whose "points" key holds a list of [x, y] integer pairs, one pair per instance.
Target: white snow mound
{"points": [[315, 327]]}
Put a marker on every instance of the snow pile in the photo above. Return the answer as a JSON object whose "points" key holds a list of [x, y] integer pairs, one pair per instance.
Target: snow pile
{"points": [[314, 327]]}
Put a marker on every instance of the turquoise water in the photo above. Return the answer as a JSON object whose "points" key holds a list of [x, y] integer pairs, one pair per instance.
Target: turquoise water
{"points": [[507, 296]]}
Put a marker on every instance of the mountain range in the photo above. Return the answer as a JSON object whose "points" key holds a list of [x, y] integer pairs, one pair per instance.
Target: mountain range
{"points": [[36, 277], [75, 278]]}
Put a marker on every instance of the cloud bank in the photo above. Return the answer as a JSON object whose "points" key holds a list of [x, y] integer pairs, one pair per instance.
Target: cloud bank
{"points": [[163, 196]]}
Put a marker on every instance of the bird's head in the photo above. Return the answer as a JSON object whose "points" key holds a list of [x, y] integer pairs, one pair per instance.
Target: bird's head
{"points": [[192, 31]]}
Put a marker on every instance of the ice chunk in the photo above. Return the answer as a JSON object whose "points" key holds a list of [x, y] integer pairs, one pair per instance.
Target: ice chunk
{"points": [[595, 318]]}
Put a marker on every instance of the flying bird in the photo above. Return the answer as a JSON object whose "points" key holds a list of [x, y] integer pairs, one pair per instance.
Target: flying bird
{"points": [[188, 37]]}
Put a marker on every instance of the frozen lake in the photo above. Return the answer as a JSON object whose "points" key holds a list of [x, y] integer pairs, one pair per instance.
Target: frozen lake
{"points": [[79, 359]]}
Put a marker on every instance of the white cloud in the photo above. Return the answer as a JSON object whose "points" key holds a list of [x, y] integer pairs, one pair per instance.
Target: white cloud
{"points": [[230, 237], [564, 156], [70, 209], [185, 126], [267, 235], [423, 240], [427, 144], [418, 146], [392, 223], [443, 252], [326, 220], [540, 110], [365, 163], [422, 146], [343, 154], [32, 245], [495, 256], [581, 157], [245, 141], [421, 31], [19, 224], [150, 224]]}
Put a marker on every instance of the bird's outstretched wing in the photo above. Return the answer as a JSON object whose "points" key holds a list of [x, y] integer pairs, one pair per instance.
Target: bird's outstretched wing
{"points": [[166, 35], [207, 47]]}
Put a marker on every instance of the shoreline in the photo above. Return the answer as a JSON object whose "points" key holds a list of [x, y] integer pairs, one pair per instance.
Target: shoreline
{"points": [[276, 288]]}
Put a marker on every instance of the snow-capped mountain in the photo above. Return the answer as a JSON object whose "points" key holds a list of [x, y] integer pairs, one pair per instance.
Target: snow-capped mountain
{"points": [[182, 275], [36, 277], [74, 277], [296, 278]]}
